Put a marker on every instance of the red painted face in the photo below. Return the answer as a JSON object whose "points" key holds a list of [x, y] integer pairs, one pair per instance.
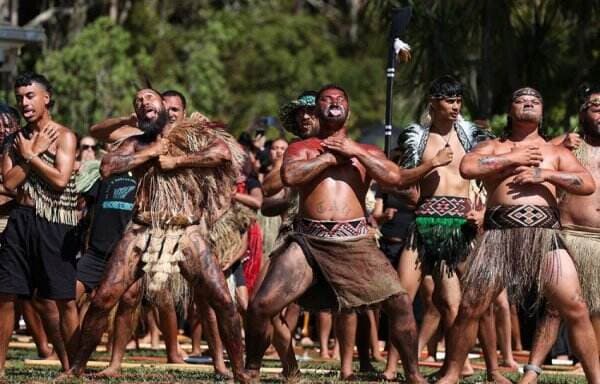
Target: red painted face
{"points": [[332, 106]]}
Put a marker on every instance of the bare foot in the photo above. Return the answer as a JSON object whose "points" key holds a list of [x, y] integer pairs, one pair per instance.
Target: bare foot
{"points": [[347, 377], [66, 376], [175, 359], [416, 379], [510, 364], [247, 377], [109, 372], [387, 376], [378, 357], [325, 354], [497, 378], [467, 369], [529, 377]]}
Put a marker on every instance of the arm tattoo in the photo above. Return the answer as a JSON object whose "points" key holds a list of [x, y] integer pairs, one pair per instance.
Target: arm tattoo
{"points": [[537, 172], [119, 163], [568, 179], [493, 162], [376, 168]]}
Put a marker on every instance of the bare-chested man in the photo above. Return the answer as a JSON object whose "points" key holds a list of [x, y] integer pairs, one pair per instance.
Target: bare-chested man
{"points": [[446, 219], [37, 257], [331, 253], [520, 248], [580, 234], [166, 214]]}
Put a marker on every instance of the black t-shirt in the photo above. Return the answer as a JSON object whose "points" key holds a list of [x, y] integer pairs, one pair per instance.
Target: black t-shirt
{"points": [[252, 183], [398, 226], [114, 198]]}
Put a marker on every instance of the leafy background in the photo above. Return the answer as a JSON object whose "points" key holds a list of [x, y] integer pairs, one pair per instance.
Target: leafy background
{"points": [[239, 60]]}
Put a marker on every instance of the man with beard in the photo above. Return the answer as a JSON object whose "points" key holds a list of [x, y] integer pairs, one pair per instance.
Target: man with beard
{"points": [[164, 237], [580, 234], [37, 257], [330, 250], [520, 248], [114, 198]]}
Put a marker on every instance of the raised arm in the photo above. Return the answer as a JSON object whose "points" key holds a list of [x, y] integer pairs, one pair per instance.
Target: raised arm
{"points": [[214, 155], [482, 162], [298, 169], [127, 157], [115, 128]]}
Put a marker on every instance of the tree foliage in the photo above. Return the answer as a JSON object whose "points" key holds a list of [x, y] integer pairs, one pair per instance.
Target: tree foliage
{"points": [[238, 60]]}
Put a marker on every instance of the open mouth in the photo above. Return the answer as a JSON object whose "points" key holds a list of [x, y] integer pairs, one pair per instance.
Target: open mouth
{"points": [[335, 111], [28, 113]]}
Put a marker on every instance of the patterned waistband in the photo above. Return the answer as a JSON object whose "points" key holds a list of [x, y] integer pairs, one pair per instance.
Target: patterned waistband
{"points": [[334, 230], [444, 206], [521, 216]]}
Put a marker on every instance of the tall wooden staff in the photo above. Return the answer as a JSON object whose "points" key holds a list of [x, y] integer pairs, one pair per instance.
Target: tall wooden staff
{"points": [[397, 49]]}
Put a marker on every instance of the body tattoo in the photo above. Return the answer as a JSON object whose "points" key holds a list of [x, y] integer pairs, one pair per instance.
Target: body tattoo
{"points": [[493, 162], [567, 180]]}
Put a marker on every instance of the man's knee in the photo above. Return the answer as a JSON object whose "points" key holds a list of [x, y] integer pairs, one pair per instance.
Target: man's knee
{"points": [[104, 300], [445, 305]]}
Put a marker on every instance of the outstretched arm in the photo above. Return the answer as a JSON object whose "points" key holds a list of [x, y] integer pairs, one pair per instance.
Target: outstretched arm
{"points": [[127, 157], [213, 156], [115, 128], [298, 169]]}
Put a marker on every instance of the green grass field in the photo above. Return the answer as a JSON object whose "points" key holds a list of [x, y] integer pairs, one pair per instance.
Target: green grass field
{"points": [[18, 372]]}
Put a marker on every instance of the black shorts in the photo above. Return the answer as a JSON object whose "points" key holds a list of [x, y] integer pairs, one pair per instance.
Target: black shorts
{"points": [[90, 269], [37, 256]]}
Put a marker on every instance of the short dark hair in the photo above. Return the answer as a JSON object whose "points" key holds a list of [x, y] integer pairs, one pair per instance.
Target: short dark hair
{"points": [[332, 86], [445, 86], [174, 93], [27, 78]]}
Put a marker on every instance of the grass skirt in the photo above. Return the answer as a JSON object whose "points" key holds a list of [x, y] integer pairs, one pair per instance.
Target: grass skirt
{"points": [[583, 244]]}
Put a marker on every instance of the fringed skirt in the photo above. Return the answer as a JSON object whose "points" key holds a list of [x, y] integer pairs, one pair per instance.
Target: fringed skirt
{"points": [[441, 235], [583, 244], [515, 252]]}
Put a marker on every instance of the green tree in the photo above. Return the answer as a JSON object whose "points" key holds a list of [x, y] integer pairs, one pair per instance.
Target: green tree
{"points": [[94, 75]]}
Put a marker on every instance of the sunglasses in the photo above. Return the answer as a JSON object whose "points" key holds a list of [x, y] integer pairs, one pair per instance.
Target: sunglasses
{"points": [[85, 147]]}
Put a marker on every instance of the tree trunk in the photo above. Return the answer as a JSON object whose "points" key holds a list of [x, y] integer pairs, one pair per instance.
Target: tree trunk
{"points": [[484, 83]]}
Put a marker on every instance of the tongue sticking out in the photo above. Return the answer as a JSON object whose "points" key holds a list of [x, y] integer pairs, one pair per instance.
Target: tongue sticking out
{"points": [[335, 112]]}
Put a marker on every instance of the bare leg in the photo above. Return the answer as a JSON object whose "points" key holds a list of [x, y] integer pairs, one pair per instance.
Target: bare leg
{"points": [[502, 314], [431, 317], [211, 332], [463, 333], [289, 275], [545, 336], [346, 324], [69, 325], [195, 327], [283, 327], [7, 316], [152, 322], [50, 316], [410, 277], [515, 328], [202, 270], [36, 329], [325, 322], [487, 338], [446, 297], [167, 316], [564, 293], [123, 328], [404, 334], [374, 335], [120, 274], [596, 325]]}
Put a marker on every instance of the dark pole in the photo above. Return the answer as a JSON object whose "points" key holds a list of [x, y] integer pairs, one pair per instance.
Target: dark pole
{"points": [[400, 19]]}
